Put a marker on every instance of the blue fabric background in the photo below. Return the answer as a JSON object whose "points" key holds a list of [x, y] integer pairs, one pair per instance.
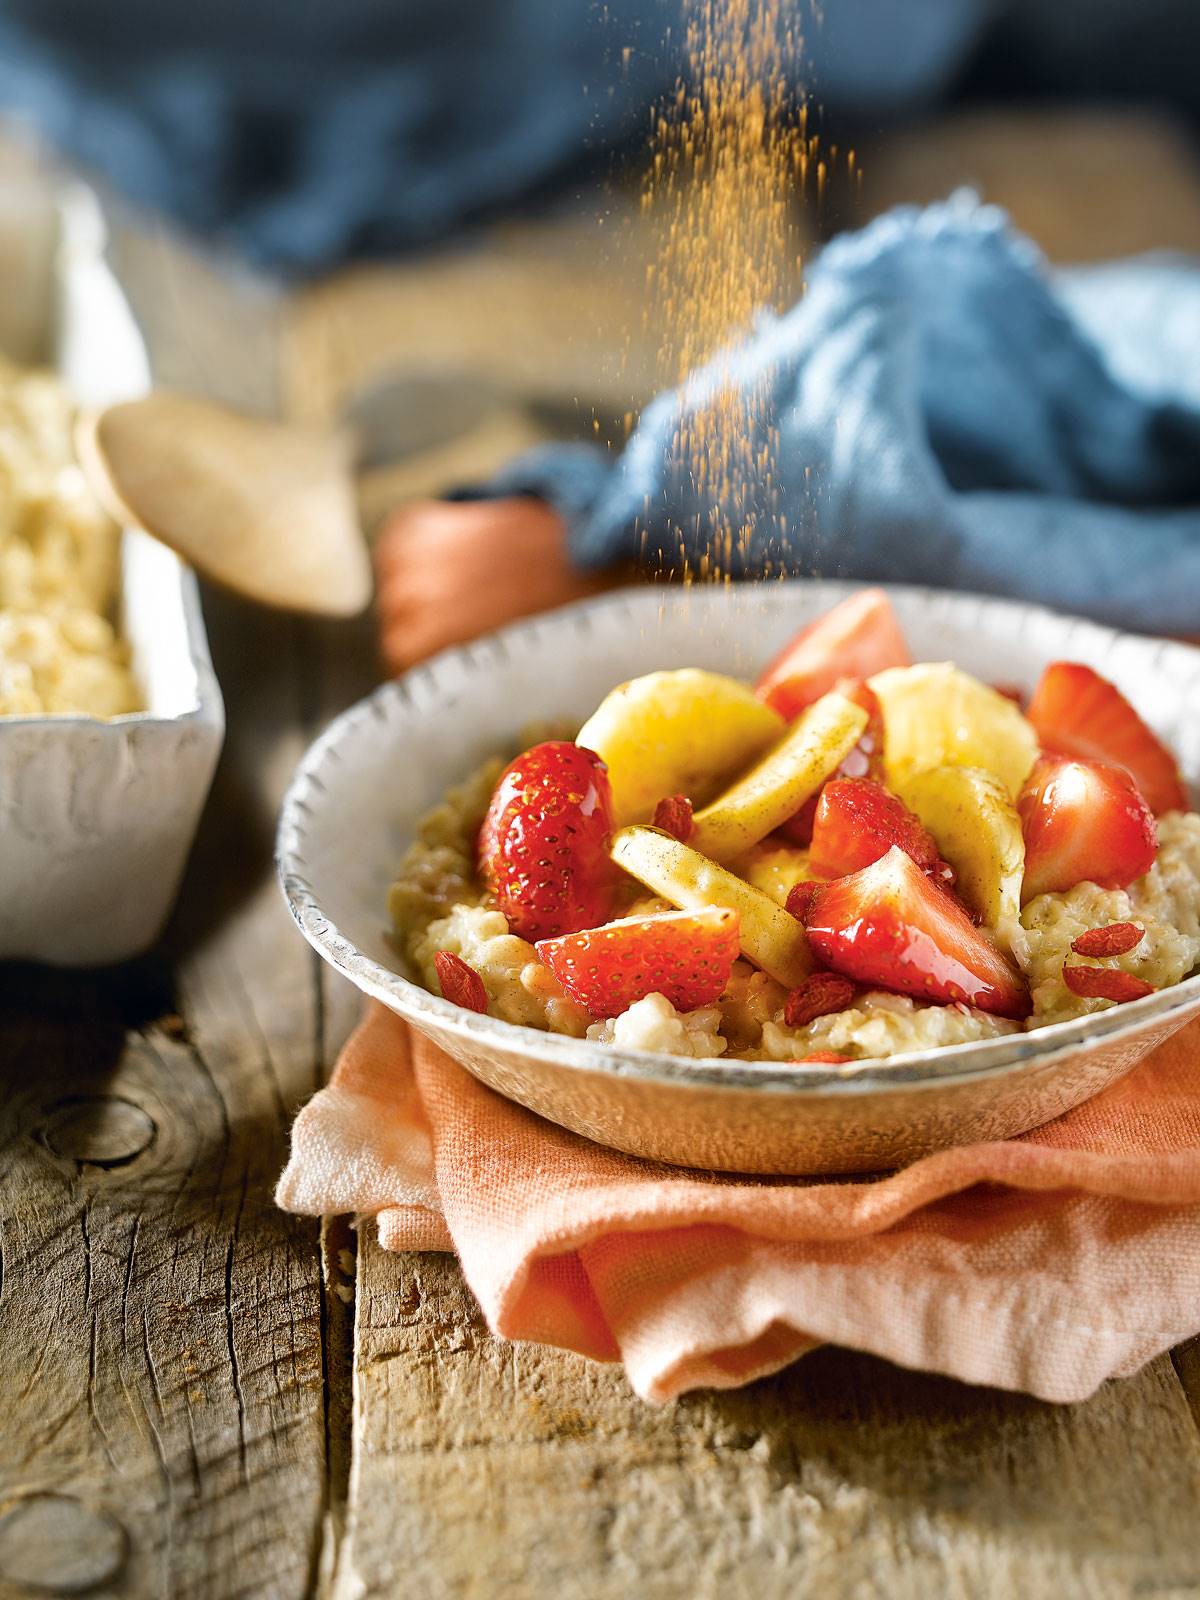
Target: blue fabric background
{"points": [[967, 420], [304, 131]]}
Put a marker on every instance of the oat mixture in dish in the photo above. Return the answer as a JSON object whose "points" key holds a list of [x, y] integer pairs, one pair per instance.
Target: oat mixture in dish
{"points": [[59, 569], [855, 858]]}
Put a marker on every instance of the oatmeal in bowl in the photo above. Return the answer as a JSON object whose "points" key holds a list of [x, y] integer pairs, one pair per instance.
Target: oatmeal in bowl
{"points": [[855, 858]]}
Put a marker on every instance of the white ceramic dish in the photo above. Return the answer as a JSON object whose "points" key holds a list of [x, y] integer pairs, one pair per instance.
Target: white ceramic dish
{"points": [[96, 818], [356, 797]]}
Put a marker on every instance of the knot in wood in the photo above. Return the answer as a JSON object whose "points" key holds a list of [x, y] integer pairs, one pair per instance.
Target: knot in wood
{"points": [[54, 1544], [97, 1130]]}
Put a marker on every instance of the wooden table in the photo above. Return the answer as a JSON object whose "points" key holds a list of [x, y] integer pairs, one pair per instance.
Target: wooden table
{"points": [[203, 1397]]}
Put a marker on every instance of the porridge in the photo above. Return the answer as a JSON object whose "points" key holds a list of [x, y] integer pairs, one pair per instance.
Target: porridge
{"points": [[856, 858], [59, 565]]}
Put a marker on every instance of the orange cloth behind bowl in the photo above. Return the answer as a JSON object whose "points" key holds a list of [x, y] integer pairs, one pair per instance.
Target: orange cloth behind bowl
{"points": [[447, 572], [1046, 1263]]}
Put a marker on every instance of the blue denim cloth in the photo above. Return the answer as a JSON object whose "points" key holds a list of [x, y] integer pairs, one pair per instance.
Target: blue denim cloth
{"points": [[948, 412], [304, 131]]}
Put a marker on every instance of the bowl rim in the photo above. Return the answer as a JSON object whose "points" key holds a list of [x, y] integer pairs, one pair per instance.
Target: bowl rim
{"points": [[940, 1067]]}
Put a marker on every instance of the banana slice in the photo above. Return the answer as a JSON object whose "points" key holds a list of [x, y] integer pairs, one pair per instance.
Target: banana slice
{"points": [[686, 732], [977, 829], [771, 938], [778, 786], [934, 715]]}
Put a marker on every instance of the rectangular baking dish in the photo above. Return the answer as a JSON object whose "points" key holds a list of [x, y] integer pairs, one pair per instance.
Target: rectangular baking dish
{"points": [[96, 818]]}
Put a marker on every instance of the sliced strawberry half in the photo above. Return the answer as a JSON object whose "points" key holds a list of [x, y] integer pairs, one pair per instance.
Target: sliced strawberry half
{"points": [[1078, 713], [1084, 822], [800, 898], [859, 637], [542, 847], [864, 761], [685, 955], [858, 820], [889, 926]]}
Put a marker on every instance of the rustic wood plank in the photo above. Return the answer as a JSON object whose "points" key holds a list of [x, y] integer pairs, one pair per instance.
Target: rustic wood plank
{"points": [[483, 1469], [166, 1329], [345, 668], [544, 310], [169, 1426]]}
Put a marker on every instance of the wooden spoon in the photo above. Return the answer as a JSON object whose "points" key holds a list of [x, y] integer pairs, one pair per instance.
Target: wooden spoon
{"points": [[267, 510]]}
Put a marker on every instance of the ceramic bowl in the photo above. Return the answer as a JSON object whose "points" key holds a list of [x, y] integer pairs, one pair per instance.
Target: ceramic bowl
{"points": [[355, 800], [96, 818]]}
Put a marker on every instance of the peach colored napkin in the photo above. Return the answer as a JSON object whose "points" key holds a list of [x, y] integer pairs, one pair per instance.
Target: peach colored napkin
{"points": [[1046, 1263]]}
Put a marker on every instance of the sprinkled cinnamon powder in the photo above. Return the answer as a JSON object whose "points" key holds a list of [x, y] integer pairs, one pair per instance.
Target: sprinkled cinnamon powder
{"points": [[730, 160]]}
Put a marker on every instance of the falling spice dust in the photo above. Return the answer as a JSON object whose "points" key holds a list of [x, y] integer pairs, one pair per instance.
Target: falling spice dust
{"points": [[732, 160]]}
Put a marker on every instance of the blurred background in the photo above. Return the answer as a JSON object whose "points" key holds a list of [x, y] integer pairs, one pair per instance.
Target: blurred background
{"points": [[423, 214]]}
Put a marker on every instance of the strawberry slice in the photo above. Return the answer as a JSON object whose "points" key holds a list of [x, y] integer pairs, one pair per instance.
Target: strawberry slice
{"points": [[859, 637], [543, 845], [864, 761], [889, 926], [858, 821], [800, 898], [1078, 713], [1083, 821], [685, 955]]}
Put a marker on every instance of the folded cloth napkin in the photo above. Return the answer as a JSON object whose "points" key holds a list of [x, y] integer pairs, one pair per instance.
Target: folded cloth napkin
{"points": [[946, 411], [1046, 1263]]}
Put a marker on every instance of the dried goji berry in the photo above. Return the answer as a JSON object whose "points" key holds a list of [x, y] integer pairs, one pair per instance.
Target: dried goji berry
{"points": [[1114, 939], [818, 996], [674, 816], [1011, 691], [1105, 983], [461, 984]]}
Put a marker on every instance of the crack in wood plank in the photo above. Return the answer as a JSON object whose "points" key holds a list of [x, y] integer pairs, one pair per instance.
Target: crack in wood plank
{"points": [[230, 1338], [1185, 1359]]}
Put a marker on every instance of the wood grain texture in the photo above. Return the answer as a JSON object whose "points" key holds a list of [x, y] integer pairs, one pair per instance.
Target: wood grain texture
{"points": [[166, 1330], [483, 1469]]}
